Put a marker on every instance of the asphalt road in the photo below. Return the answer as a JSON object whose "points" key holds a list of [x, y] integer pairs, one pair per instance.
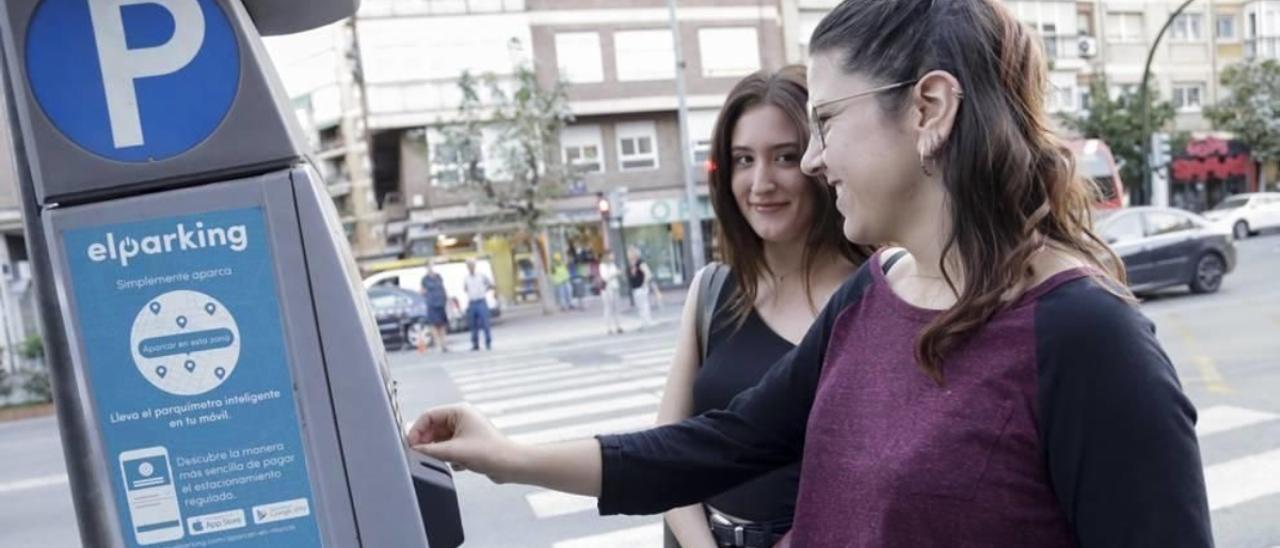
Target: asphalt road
{"points": [[560, 379]]}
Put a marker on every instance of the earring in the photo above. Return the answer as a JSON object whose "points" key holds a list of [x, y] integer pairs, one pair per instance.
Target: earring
{"points": [[926, 150]]}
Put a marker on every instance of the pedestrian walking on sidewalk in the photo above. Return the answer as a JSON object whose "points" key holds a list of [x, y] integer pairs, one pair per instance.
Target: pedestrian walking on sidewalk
{"points": [[784, 256], [560, 279], [437, 302], [611, 284], [477, 286], [640, 277], [990, 383]]}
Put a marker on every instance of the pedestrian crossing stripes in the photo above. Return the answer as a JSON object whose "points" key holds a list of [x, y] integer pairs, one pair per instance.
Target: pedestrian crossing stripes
{"points": [[585, 430], [550, 400], [549, 504], [625, 403], [505, 371], [522, 375], [503, 406], [582, 379], [1225, 417], [1242, 480], [517, 379], [641, 354], [33, 483]]}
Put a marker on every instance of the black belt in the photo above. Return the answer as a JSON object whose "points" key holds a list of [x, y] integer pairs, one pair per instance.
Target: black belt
{"points": [[747, 535]]}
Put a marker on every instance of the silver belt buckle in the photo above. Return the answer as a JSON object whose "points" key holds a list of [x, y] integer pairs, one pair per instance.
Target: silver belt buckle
{"points": [[739, 538]]}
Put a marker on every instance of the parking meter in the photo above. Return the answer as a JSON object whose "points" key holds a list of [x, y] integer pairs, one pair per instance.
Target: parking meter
{"points": [[218, 375]]}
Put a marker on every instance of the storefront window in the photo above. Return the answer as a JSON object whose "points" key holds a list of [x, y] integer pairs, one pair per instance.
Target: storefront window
{"points": [[662, 252]]}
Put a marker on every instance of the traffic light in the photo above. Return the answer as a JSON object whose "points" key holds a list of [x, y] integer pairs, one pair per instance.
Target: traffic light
{"points": [[1161, 149]]}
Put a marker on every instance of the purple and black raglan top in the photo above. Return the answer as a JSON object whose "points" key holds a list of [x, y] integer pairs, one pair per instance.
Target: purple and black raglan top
{"points": [[1061, 422]]}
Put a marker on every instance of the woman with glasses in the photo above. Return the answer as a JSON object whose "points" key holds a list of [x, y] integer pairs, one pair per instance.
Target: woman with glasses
{"points": [[990, 384]]}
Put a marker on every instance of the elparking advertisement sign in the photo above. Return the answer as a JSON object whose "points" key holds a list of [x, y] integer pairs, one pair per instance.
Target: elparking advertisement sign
{"points": [[189, 374]]}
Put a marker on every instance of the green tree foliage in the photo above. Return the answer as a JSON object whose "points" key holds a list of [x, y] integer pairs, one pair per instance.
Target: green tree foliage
{"points": [[1251, 107], [506, 141]]}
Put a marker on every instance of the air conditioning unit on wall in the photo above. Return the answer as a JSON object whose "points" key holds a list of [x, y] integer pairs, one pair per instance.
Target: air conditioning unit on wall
{"points": [[1087, 46]]}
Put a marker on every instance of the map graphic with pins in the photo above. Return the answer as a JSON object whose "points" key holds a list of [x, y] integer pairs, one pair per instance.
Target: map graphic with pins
{"points": [[185, 342]]}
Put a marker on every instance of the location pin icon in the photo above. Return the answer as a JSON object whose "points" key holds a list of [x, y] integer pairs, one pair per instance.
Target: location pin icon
{"points": [[190, 365], [162, 371], [210, 308], [155, 308], [182, 321], [220, 373]]}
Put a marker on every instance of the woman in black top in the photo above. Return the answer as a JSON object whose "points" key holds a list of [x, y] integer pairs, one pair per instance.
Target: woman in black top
{"points": [[780, 236]]}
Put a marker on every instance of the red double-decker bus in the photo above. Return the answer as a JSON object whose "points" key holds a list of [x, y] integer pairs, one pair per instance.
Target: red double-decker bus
{"points": [[1095, 163]]}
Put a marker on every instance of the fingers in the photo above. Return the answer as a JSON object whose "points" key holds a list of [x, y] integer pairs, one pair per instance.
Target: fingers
{"points": [[433, 426], [443, 450], [446, 451], [418, 431]]}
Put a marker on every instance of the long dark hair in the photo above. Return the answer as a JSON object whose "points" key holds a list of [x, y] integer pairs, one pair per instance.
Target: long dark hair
{"points": [[741, 247], [1011, 184]]}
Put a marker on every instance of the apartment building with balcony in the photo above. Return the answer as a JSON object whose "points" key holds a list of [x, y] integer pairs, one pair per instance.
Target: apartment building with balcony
{"points": [[1199, 43], [620, 64], [1261, 29], [1059, 23], [370, 88]]}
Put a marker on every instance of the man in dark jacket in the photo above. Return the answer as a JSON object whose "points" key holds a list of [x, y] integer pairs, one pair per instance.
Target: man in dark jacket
{"points": [[437, 299]]}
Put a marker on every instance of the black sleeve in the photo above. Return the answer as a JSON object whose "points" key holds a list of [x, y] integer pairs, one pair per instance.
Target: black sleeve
{"points": [[1117, 431], [763, 428]]}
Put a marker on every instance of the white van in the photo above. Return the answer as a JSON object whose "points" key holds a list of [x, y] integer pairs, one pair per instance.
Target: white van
{"points": [[454, 275]]}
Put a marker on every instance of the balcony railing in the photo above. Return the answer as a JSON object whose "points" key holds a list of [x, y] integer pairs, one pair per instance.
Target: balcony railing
{"points": [[1262, 47]]}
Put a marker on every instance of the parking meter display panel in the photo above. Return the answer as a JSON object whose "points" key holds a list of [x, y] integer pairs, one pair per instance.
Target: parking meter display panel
{"points": [[197, 361], [127, 95]]}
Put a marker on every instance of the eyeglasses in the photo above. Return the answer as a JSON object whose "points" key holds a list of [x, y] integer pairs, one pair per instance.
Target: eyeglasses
{"points": [[815, 123]]}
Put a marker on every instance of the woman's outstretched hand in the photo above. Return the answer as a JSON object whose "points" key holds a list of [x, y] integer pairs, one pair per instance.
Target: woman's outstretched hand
{"points": [[463, 437]]}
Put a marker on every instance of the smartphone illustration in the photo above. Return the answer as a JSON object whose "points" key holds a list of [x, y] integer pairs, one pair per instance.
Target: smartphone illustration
{"points": [[153, 500]]}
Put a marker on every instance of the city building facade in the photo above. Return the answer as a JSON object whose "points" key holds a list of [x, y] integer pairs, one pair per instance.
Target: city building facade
{"points": [[618, 60], [375, 91]]}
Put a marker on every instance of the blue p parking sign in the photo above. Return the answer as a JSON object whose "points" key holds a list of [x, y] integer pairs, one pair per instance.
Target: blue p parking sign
{"points": [[133, 80]]}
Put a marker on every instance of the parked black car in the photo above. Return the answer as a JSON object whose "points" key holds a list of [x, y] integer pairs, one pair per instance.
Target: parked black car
{"points": [[401, 315], [1164, 247]]}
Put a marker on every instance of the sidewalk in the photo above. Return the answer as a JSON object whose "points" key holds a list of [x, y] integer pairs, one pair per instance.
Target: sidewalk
{"points": [[524, 327]]}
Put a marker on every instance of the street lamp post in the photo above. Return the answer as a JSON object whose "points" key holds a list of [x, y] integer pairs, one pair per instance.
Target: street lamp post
{"points": [[694, 215], [1146, 107], [626, 260], [608, 214]]}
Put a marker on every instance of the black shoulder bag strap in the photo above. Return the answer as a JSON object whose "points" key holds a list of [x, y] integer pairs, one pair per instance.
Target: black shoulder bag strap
{"points": [[710, 284], [709, 287]]}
